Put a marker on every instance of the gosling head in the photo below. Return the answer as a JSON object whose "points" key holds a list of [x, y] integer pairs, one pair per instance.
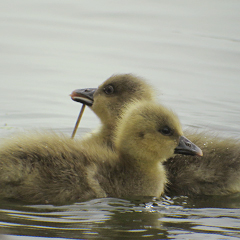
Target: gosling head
{"points": [[150, 132], [108, 100]]}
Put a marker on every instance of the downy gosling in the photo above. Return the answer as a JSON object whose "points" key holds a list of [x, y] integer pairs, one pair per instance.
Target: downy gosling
{"points": [[58, 170], [108, 100], [216, 173]]}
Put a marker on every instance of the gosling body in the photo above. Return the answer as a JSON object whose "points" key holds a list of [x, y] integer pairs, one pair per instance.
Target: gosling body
{"points": [[216, 173], [55, 169]]}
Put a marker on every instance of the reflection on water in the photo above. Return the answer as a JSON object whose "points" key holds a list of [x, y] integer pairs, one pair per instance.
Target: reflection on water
{"points": [[190, 53], [116, 218]]}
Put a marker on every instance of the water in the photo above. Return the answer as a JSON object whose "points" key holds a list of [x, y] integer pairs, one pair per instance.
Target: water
{"points": [[117, 219], [189, 51]]}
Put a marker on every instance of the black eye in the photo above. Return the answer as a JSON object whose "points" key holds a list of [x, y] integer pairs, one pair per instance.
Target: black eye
{"points": [[108, 89], [167, 131]]}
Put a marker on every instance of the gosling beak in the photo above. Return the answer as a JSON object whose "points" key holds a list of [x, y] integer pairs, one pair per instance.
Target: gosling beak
{"points": [[84, 96], [186, 147]]}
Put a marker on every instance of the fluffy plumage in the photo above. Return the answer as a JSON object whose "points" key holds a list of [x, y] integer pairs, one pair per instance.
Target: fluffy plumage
{"points": [[216, 173], [109, 99], [47, 168]]}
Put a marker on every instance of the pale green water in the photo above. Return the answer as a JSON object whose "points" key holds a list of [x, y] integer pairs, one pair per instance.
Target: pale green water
{"points": [[189, 51]]}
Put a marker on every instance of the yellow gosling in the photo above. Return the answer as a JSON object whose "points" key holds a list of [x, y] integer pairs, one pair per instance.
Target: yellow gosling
{"points": [[216, 173], [47, 168]]}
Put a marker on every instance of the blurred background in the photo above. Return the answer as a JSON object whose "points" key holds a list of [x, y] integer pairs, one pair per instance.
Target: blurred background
{"points": [[188, 50]]}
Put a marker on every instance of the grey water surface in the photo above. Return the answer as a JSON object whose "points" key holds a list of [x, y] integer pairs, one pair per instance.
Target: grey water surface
{"points": [[188, 50]]}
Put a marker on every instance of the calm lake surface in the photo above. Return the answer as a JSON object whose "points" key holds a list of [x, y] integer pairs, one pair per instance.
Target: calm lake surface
{"points": [[188, 50]]}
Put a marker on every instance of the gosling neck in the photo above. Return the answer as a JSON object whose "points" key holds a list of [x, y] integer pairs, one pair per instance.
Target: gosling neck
{"points": [[107, 133], [143, 178]]}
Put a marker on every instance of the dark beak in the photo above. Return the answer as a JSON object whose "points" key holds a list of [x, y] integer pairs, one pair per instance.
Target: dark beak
{"points": [[186, 147], [84, 96]]}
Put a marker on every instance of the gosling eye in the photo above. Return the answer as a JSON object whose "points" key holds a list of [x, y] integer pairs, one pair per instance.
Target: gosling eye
{"points": [[167, 131], [108, 89]]}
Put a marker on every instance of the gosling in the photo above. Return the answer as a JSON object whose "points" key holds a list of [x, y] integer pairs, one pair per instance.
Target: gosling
{"points": [[57, 170], [216, 173], [108, 100]]}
